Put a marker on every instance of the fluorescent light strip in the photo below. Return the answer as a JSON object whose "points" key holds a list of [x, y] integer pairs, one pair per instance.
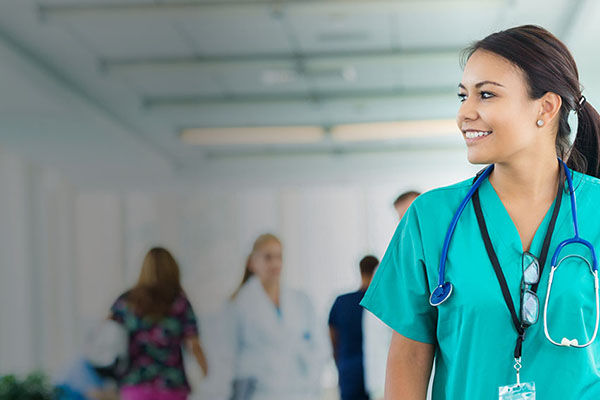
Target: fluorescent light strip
{"points": [[395, 130], [253, 135]]}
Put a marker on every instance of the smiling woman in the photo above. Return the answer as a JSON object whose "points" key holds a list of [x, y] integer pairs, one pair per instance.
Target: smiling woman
{"points": [[517, 91]]}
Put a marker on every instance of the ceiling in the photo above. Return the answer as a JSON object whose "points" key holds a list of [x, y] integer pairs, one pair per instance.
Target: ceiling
{"points": [[103, 88]]}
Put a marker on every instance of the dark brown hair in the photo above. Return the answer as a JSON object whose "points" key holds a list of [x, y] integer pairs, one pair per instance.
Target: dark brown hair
{"points": [[157, 286], [368, 265], [405, 196], [549, 67]]}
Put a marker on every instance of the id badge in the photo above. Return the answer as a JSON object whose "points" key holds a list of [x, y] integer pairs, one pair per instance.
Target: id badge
{"points": [[519, 391]]}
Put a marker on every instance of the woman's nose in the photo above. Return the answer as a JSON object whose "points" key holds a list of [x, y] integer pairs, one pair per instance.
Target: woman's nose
{"points": [[467, 111]]}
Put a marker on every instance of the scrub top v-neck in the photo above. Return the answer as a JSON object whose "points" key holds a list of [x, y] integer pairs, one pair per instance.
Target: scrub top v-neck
{"points": [[473, 331]]}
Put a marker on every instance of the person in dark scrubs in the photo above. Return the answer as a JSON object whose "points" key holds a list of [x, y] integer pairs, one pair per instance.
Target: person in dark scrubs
{"points": [[345, 328]]}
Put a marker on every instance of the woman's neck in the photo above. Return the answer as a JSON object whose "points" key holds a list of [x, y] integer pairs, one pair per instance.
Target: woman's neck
{"points": [[529, 178], [272, 288]]}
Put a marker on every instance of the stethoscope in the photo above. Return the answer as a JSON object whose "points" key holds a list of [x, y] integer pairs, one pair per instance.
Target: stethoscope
{"points": [[444, 289]]}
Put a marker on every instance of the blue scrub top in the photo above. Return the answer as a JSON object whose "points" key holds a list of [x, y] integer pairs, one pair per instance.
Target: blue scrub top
{"points": [[472, 331], [346, 318]]}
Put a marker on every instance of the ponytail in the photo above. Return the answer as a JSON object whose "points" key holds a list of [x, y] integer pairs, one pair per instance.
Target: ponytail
{"points": [[247, 275], [585, 153]]}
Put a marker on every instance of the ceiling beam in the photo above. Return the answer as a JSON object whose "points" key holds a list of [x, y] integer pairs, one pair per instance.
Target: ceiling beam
{"points": [[162, 102], [74, 10], [110, 65]]}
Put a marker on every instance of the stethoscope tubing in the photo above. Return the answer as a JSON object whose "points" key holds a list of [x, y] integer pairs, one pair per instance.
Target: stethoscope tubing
{"points": [[454, 222], [565, 342]]}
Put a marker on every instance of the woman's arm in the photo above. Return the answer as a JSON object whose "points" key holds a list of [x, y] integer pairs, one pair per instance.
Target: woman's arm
{"points": [[193, 345], [408, 369]]}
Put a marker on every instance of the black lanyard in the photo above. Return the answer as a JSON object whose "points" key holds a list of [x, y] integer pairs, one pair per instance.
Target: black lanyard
{"points": [[494, 259]]}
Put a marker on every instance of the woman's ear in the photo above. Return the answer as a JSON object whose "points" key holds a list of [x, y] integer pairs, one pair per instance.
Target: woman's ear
{"points": [[550, 104]]}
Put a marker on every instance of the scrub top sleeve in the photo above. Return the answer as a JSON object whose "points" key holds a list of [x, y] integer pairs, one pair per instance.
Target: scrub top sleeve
{"points": [[399, 292], [188, 319]]}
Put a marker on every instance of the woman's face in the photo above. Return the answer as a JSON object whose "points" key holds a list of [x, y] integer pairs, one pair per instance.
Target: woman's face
{"points": [[266, 262], [496, 116]]}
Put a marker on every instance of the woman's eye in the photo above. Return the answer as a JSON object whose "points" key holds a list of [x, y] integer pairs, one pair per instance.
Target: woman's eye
{"points": [[486, 95], [461, 97]]}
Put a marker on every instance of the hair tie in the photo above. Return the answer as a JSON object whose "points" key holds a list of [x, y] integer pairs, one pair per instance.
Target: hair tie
{"points": [[582, 101]]}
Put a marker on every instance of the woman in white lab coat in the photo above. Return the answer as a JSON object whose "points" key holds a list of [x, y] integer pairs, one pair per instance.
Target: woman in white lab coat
{"points": [[277, 351]]}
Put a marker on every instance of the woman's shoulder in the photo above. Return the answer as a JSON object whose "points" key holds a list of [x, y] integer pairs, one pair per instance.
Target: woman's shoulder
{"points": [[247, 290], [433, 201], [123, 299]]}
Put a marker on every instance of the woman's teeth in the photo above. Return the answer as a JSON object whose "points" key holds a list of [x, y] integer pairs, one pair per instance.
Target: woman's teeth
{"points": [[473, 135]]}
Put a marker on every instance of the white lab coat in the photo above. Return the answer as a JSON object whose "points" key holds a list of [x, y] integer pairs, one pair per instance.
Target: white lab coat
{"points": [[283, 353]]}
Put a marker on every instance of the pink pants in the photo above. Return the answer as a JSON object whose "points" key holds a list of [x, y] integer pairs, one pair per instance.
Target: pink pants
{"points": [[151, 393]]}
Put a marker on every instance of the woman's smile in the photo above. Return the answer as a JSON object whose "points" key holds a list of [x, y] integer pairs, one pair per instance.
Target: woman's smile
{"points": [[473, 136]]}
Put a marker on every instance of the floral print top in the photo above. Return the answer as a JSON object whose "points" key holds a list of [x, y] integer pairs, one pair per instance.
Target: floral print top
{"points": [[155, 356]]}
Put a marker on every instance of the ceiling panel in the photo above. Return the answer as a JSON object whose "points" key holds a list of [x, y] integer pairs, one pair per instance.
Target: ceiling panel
{"points": [[254, 114], [390, 108], [445, 24], [170, 81], [429, 71], [262, 78], [352, 73], [88, 2], [244, 30], [129, 35], [329, 27]]}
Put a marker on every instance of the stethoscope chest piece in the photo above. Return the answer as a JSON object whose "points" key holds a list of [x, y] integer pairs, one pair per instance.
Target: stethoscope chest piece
{"points": [[440, 294]]}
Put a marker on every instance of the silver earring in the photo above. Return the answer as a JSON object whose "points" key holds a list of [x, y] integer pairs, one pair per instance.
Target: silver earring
{"points": [[540, 122]]}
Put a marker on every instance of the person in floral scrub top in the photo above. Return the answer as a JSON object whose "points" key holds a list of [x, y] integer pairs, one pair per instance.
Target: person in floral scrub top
{"points": [[160, 321]]}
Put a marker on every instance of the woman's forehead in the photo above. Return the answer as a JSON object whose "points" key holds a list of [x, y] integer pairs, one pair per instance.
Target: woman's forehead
{"points": [[485, 66], [270, 245]]}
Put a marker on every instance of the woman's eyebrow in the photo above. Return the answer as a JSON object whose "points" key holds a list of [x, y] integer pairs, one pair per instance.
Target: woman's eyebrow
{"points": [[480, 84]]}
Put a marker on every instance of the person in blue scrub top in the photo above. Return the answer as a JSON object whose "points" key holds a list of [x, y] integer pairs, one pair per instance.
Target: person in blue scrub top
{"points": [[346, 333], [518, 89]]}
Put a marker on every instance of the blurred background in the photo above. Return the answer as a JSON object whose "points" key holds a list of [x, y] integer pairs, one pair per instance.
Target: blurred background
{"points": [[200, 124]]}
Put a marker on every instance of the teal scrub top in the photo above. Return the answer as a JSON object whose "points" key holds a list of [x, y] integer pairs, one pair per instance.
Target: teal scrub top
{"points": [[472, 331]]}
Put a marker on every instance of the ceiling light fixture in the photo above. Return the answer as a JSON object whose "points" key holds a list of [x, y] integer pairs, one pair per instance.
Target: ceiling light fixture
{"points": [[253, 135]]}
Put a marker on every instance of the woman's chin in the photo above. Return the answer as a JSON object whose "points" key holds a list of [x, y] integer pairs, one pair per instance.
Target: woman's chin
{"points": [[476, 158]]}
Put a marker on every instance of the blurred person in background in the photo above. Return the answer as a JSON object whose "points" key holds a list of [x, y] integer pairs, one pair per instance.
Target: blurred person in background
{"points": [[94, 376], [159, 320], [346, 332], [404, 201], [276, 349], [377, 335]]}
